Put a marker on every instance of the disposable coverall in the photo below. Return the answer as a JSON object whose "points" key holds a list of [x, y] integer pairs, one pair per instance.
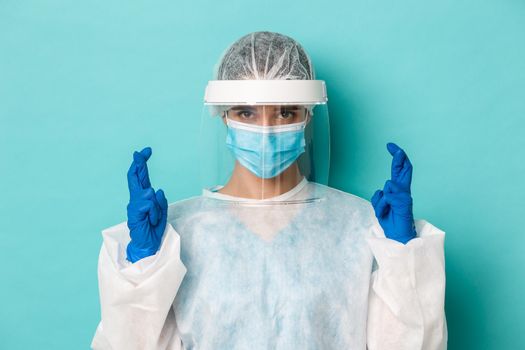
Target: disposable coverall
{"points": [[316, 274]]}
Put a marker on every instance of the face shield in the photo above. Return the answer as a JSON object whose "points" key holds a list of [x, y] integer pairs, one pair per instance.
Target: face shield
{"points": [[261, 139]]}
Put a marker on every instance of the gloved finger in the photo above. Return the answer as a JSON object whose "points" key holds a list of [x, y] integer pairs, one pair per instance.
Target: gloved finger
{"points": [[382, 207], [142, 156], [138, 177], [162, 201], [404, 177], [134, 186], [392, 148], [140, 159], [399, 200], [387, 188], [376, 197], [398, 159], [139, 210], [393, 187], [401, 170], [154, 212], [146, 194]]}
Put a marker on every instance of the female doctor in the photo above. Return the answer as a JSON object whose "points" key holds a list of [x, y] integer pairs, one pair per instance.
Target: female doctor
{"points": [[274, 258]]}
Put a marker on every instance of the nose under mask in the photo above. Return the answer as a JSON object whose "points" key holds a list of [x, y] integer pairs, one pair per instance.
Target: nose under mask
{"points": [[265, 150]]}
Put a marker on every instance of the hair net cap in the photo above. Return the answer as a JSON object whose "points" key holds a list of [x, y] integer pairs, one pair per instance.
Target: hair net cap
{"points": [[264, 56]]}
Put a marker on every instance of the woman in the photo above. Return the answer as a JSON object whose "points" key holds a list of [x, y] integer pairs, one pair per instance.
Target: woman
{"points": [[273, 259]]}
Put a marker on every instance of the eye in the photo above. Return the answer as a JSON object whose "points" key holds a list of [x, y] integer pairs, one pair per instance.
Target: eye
{"points": [[245, 114], [287, 114]]}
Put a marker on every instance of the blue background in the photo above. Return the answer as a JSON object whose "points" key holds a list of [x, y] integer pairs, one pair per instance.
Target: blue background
{"points": [[83, 84]]}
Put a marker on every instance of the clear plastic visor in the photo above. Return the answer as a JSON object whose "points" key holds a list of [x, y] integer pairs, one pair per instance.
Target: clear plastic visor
{"points": [[264, 153]]}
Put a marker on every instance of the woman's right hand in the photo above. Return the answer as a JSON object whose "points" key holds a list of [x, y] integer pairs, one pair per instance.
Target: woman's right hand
{"points": [[147, 210]]}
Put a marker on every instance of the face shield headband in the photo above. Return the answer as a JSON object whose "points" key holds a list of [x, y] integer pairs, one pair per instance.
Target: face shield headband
{"points": [[220, 94]]}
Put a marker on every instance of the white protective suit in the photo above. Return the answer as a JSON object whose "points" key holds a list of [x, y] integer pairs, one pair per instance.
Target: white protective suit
{"points": [[315, 275]]}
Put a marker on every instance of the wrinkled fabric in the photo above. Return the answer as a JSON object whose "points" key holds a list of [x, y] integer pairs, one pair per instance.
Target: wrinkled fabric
{"points": [[136, 298], [314, 275], [302, 286]]}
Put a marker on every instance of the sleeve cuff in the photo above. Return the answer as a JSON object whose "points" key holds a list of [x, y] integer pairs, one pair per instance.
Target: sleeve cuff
{"points": [[426, 232], [116, 239], [405, 268]]}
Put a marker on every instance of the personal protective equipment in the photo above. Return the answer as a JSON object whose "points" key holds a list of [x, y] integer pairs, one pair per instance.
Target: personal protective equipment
{"points": [[306, 267], [253, 132], [265, 150], [307, 275], [264, 56], [259, 80], [147, 210], [393, 204]]}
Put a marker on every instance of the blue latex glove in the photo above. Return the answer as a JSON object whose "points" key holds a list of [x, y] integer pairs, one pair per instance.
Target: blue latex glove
{"points": [[393, 204], [147, 210]]}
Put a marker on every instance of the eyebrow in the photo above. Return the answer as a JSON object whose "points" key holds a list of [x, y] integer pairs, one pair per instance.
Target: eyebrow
{"points": [[240, 108], [237, 108]]}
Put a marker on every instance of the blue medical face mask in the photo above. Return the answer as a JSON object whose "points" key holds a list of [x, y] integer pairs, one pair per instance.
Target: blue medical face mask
{"points": [[265, 150]]}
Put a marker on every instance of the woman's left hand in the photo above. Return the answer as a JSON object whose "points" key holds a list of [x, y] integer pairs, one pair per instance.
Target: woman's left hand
{"points": [[393, 204]]}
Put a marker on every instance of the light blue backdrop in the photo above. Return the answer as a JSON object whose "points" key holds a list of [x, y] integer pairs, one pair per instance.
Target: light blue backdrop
{"points": [[83, 84]]}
